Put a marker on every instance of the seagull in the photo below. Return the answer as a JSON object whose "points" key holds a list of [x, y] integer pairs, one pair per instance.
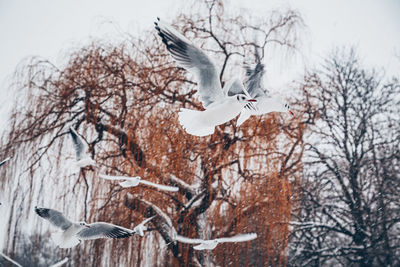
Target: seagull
{"points": [[60, 263], [219, 106], [83, 157], [134, 181], [140, 228], [74, 232], [4, 161], [212, 243], [265, 102]]}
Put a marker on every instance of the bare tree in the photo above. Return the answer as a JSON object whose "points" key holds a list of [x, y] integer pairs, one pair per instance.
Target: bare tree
{"points": [[348, 212], [124, 99]]}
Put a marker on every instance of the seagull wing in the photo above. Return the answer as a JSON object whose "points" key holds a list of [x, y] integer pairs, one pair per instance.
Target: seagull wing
{"points": [[234, 87], [160, 187], [5, 160], [113, 178], [146, 220], [187, 240], [193, 59], [238, 238], [104, 230], [253, 82], [81, 147], [55, 217]]}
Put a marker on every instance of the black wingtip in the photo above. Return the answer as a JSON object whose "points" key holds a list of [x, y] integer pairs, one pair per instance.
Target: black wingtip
{"points": [[42, 212]]}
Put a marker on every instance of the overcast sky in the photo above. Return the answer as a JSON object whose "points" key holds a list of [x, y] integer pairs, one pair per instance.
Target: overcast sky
{"points": [[49, 28]]}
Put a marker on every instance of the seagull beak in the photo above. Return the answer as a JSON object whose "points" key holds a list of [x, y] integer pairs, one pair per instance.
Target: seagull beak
{"points": [[291, 113], [252, 100]]}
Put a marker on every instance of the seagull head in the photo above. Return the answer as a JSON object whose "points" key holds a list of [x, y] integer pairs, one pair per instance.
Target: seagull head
{"points": [[287, 108], [279, 105], [246, 100], [84, 224]]}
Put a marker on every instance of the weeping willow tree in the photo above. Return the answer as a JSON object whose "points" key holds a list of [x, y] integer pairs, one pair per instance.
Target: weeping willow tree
{"points": [[124, 99]]}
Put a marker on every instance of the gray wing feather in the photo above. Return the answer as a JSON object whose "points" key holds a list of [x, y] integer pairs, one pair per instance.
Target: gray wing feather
{"points": [[193, 59], [187, 240], [238, 238], [55, 217], [160, 187], [253, 83], [234, 87], [104, 230], [79, 144]]}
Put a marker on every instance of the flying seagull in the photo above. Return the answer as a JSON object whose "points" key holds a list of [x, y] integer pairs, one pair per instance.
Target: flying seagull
{"points": [[219, 106], [265, 102], [140, 228], [74, 232], [212, 243], [83, 157], [4, 161], [134, 181]]}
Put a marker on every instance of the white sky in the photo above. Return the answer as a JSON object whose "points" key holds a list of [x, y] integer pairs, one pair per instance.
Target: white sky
{"points": [[49, 28]]}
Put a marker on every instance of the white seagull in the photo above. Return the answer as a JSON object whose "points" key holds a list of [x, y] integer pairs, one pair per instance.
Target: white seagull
{"points": [[265, 102], [212, 243], [134, 181], [140, 228], [74, 232], [4, 160], [219, 106], [83, 157]]}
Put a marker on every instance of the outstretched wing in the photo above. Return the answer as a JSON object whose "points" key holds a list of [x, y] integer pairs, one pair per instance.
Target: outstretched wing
{"points": [[193, 59], [254, 77], [113, 178], [160, 187], [55, 217], [234, 87], [146, 220], [238, 238], [253, 82], [187, 240], [81, 147], [104, 230]]}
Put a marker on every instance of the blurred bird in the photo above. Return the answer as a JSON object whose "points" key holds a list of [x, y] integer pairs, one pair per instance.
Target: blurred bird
{"points": [[212, 243], [140, 228], [83, 157], [134, 181], [266, 103], [74, 232]]}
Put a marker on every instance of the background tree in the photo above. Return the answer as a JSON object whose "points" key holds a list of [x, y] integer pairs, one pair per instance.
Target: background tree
{"points": [[348, 213], [124, 98]]}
